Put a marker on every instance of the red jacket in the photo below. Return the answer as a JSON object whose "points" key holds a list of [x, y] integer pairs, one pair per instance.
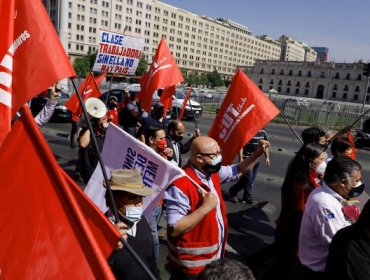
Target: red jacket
{"points": [[190, 252]]}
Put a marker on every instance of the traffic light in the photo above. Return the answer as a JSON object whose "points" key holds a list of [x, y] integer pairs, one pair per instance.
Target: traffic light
{"points": [[366, 69]]}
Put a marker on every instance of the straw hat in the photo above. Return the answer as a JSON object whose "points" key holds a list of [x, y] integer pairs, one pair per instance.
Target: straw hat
{"points": [[129, 180]]}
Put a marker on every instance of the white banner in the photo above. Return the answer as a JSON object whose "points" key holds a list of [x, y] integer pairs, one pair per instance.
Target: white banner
{"points": [[122, 151], [118, 53]]}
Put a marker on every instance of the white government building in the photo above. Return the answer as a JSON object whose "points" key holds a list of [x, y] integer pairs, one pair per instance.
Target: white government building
{"points": [[199, 43], [321, 80]]}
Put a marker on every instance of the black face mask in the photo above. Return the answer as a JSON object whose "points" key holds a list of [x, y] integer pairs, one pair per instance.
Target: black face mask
{"points": [[356, 191], [177, 138], [211, 169]]}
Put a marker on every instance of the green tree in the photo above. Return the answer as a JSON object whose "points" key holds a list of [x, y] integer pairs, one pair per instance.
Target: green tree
{"points": [[142, 67], [192, 79], [215, 79], [83, 65], [203, 80]]}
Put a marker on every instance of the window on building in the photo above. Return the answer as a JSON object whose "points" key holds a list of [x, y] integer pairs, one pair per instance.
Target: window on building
{"points": [[280, 82], [290, 72], [357, 89], [282, 72], [297, 91], [336, 75], [260, 81], [344, 95], [348, 77], [335, 87], [309, 74], [288, 90], [273, 71], [333, 94], [272, 82], [355, 97], [279, 89], [289, 83], [345, 88], [322, 75], [306, 92], [299, 73], [298, 84], [307, 84]]}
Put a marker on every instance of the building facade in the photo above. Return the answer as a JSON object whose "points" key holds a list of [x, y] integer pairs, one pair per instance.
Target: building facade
{"points": [[292, 50], [322, 53], [198, 43], [329, 81]]}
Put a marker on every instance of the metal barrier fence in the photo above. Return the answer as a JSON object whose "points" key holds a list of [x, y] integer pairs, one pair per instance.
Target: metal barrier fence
{"points": [[298, 111]]}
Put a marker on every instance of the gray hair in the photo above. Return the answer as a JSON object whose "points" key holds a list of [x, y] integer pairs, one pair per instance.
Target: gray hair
{"points": [[340, 168]]}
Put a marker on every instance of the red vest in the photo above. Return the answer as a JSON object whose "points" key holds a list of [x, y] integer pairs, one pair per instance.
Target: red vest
{"points": [[190, 252]]}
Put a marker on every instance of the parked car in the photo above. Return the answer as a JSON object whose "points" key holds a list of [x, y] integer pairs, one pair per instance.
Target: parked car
{"points": [[61, 113], [195, 111], [118, 93]]}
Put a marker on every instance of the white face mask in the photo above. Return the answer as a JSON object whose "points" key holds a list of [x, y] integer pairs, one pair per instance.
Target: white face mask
{"points": [[320, 169], [133, 213]]}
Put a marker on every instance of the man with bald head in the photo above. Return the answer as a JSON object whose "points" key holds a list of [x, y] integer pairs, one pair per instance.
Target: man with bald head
{"points": [[196, 217], [175, 133]]}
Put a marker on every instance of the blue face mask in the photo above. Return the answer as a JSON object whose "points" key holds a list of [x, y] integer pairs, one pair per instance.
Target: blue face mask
{"points": [[134, 213]]}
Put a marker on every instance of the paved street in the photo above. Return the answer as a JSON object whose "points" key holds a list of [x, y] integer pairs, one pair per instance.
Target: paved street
{"points": [[251, 227]]}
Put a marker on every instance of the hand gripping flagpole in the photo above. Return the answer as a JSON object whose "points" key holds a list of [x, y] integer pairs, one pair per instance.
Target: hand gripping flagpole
{"points": [[115, 212]]}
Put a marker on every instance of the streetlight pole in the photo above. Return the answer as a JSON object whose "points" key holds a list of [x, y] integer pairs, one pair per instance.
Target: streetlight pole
{"points": [[365, 96]]}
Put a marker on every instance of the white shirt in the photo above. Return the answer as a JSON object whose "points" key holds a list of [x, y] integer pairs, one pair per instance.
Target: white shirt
{"points": [[322, 218]]}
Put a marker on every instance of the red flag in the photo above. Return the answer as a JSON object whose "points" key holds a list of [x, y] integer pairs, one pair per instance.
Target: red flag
{"points": [[163, 73], [31, 56], [350, 139], [166, 98], [243, 113], [88, 88], [50, 229], [185, 103]]}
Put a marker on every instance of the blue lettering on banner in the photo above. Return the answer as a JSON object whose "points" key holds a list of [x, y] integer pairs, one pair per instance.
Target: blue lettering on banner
{"points": [[129, 160], [148, 169], [110, 38], [115, 60]]}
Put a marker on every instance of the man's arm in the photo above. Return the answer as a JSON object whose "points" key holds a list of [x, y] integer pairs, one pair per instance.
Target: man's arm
{"points": [[47, 111], [248, 163], [188, 222]]}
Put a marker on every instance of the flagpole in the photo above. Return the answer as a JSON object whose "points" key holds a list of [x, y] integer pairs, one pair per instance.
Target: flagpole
{"points": [[191, 109], [110, 193], [296, 134]]}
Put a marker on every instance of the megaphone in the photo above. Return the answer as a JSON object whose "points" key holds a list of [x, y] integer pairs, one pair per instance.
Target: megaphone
{"points": [[95, 107]]}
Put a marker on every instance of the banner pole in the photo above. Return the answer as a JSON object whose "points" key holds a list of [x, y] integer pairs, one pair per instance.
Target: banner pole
{"points": [[110, 193], [191, 109], [296, 134]]}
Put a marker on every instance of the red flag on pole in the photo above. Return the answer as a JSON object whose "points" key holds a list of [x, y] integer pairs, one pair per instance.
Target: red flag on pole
{"points": [[88, 88], [166, 98], [31, 56], [163, 73], [185, 103], [243, 113], [50, 229]]}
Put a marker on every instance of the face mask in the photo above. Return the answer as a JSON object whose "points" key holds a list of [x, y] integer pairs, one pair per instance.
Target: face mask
{"points": [[320, 169], [133, 213], [356, 190], [214, 166], [177, 138], [161, 145]]}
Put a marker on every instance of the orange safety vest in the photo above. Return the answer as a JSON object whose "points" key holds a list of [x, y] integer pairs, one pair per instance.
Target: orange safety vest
{"points": [[192, 251]]}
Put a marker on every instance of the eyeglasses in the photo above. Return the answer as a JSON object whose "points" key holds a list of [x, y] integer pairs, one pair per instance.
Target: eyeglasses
{"points": [[212, 155]]}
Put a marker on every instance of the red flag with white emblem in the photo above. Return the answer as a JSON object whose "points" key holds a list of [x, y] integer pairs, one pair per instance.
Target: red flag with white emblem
{"points": [[32, 57], [163, 73], [243, 113], [88, 88]]}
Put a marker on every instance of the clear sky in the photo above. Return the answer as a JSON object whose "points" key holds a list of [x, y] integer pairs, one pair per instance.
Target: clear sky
{"points": [[343, 26]]}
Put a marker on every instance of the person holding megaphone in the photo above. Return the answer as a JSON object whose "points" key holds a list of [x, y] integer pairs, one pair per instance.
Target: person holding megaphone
{"points": [[87, 156]]}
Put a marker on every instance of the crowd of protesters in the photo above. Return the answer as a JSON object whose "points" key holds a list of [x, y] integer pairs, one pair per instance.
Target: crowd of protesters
{"points": [[315, 201]]}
